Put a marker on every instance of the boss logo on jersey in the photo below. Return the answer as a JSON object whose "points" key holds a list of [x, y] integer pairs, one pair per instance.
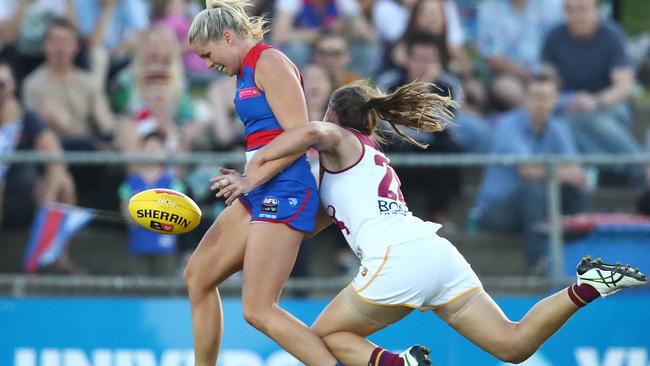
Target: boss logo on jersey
{"points": [[270, 204], [392, 208], [249, 93]]}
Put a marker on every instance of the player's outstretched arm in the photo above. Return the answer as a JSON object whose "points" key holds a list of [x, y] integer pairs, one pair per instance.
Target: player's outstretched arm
{"points": [[322, 136], [276, 156], [272, 158]]}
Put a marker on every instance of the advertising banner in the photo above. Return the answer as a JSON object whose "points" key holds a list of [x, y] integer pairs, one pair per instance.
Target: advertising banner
{"points": [[157, 332]]}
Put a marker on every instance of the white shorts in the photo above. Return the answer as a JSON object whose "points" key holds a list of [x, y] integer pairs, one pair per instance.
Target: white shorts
{"points": [[421, 274]]}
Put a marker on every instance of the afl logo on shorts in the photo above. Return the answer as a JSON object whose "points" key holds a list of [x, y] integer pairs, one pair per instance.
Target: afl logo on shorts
{"points": [[270, 204]]}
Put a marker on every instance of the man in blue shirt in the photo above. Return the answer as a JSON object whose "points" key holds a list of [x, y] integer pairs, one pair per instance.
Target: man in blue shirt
{"points": [[513, 198], [597, 80]]}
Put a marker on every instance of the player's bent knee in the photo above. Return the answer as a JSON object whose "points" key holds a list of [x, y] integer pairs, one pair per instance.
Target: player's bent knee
{"points": [[513, 350], [257, 314], [257, 319], [513, 357], [189, 277], [192, 282], [195, 282], [521, 353], [254, 319]]}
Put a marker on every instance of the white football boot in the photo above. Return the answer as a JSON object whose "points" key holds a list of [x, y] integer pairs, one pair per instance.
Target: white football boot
{"points": [[416, 356], [608, 278]]}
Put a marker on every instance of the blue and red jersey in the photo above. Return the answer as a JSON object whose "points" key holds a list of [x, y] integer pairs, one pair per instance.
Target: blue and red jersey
{"points": [[291, 196]]}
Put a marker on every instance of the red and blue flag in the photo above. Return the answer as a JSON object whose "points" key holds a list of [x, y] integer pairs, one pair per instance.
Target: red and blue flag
{"points": [[54, 226]]}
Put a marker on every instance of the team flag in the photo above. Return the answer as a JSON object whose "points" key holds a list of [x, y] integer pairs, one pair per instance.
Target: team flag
{"points": [[54, 226]]}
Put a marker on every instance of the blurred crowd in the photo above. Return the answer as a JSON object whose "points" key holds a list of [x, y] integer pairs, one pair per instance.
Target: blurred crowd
{"points": [[529, 77]]}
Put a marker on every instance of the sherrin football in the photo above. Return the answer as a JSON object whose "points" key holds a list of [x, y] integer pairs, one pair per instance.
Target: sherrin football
{"points": [[165, 211]]}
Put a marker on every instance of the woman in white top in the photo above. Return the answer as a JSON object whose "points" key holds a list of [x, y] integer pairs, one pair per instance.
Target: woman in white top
{"points": [[405, 265]]}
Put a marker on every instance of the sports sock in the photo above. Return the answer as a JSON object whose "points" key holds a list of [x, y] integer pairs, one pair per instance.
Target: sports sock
{"points": [[583, 294], [381, 357]]}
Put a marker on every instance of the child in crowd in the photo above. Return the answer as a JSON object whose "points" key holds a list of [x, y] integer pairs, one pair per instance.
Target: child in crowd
{"points": [[153, 253]]}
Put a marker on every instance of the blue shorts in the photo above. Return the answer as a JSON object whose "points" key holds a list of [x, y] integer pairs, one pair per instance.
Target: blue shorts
{"points": [[289, 202]]}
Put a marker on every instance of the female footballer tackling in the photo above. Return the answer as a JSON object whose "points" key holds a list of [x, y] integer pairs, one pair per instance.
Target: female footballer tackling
{"points": [[405, 265]]}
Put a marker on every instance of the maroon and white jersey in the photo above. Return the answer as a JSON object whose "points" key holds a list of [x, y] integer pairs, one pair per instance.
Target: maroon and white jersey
{"points": [[366, 203]]}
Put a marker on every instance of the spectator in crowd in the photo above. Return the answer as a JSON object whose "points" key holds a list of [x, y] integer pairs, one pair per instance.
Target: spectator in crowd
{"points": [[511, 33], [513, 198], [27, 186], [597, 80], [391, 18], [318, 85], [222, 130], [75, 108], [11, 14], [423, 64], [23, 24], [65, 96], [110, 28], [510, 38], [157, 113], [174, 15], [506, 93], [298, 23], [470, 128], [152, 90], [333, 54], [430, 16], [153, 254]]}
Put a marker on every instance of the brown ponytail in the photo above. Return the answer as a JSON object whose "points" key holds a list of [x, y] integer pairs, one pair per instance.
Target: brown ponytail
{"points": [[361, 106]]}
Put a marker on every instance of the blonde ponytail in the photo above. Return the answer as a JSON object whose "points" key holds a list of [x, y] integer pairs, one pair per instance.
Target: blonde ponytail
{"points": [[221, 15]]}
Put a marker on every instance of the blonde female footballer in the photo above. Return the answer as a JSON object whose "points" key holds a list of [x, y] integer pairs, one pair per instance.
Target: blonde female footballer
{"points": [[257, 233], [405, 265]]}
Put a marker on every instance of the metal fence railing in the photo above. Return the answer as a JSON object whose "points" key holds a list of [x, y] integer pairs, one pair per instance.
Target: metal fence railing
{"points": [[424, 160], [74, 285]]}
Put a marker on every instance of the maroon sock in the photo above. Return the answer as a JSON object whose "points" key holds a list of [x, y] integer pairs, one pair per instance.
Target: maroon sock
{"points": [[381, 357], [583, 294]]}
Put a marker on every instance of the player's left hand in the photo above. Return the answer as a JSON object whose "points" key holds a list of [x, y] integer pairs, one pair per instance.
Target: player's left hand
{"points": [[230, 185]]}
